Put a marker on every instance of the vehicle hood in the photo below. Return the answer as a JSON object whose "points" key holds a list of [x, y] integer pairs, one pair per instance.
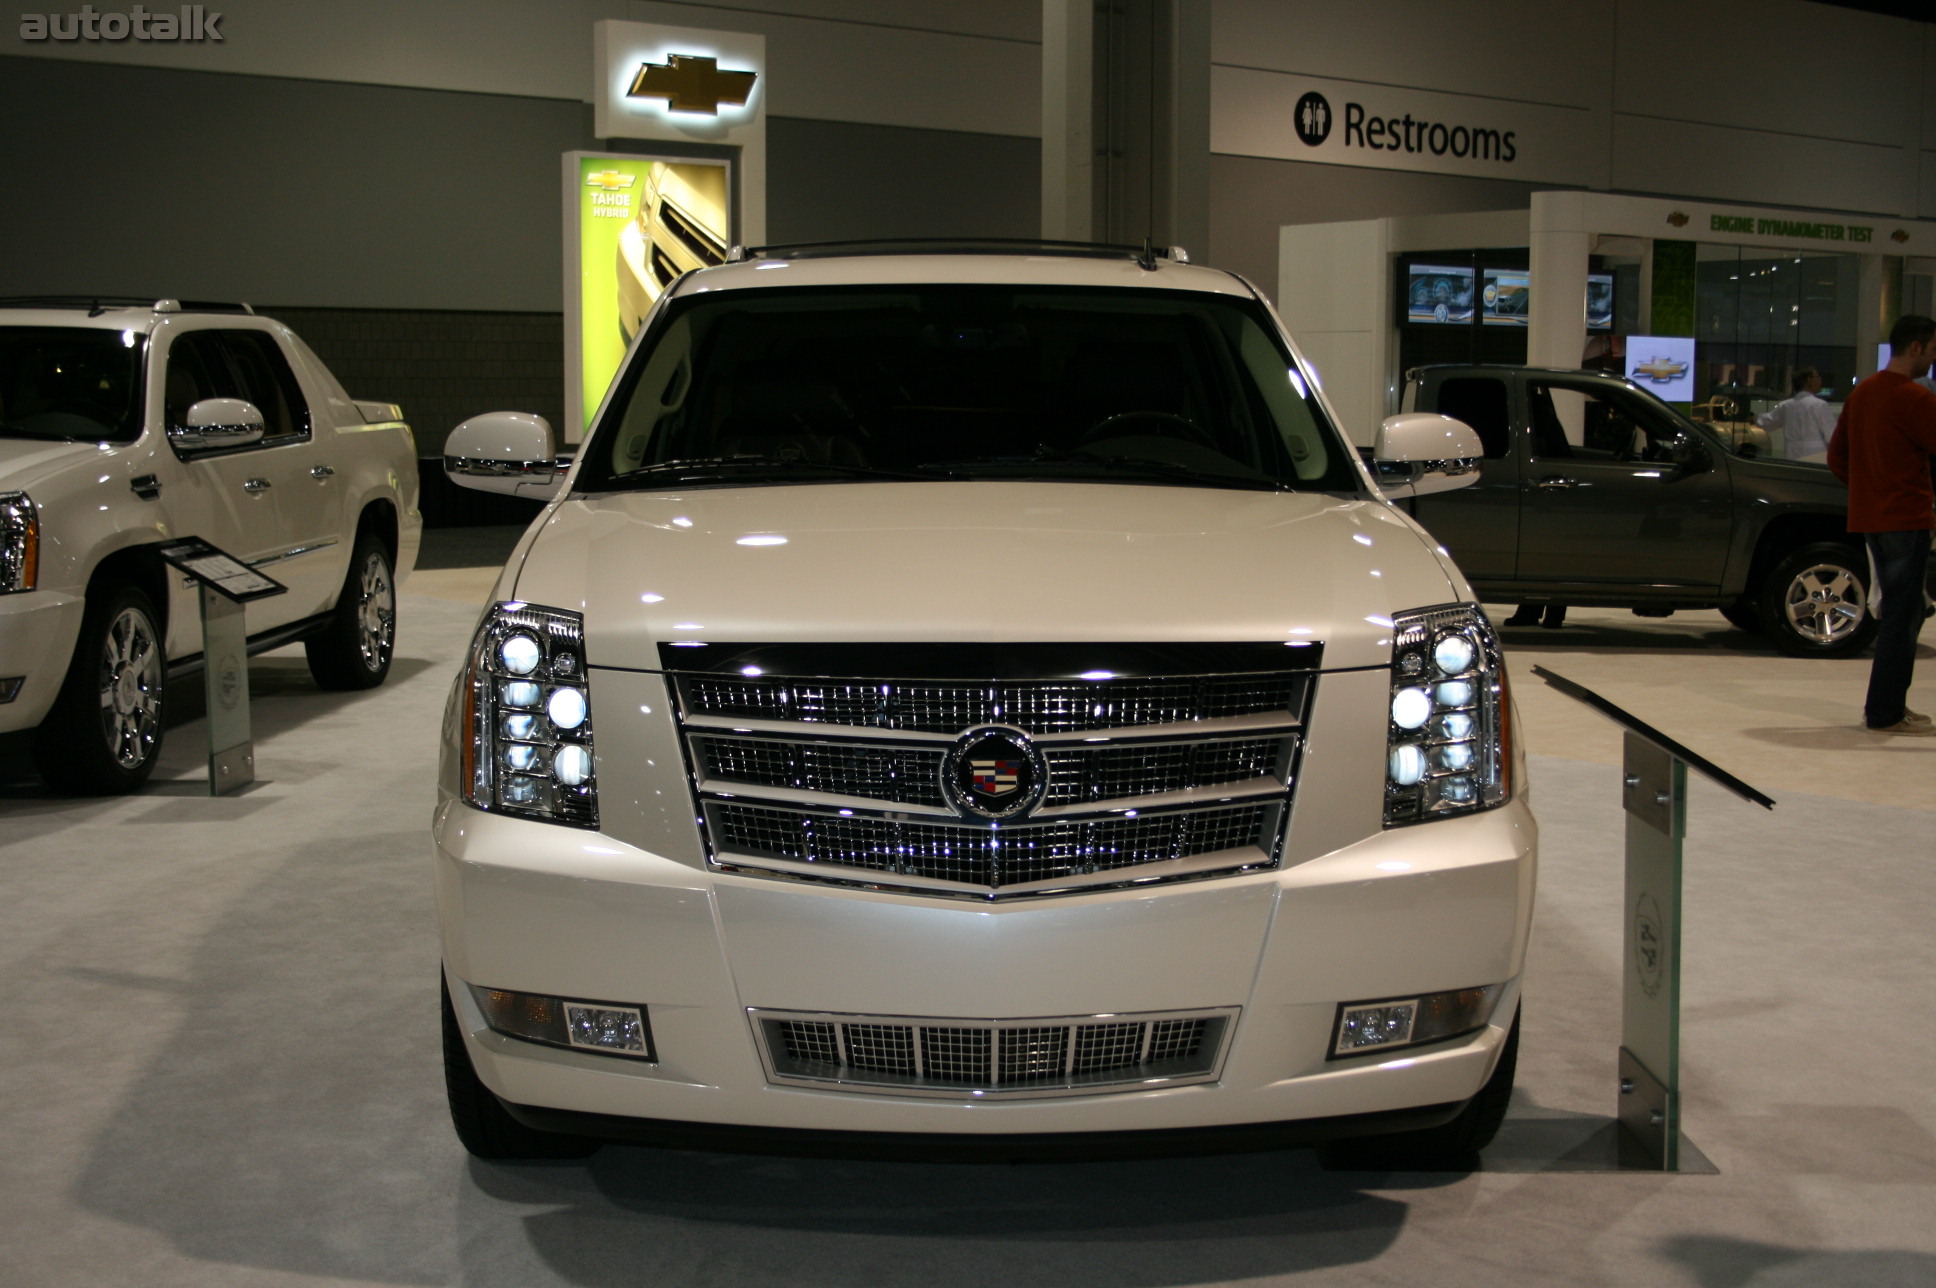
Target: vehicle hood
{"points": [[26, 461], [981, 562]]}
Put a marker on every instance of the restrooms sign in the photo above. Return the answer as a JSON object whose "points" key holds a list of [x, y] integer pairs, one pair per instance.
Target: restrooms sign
{"points": [[1303, 118]]}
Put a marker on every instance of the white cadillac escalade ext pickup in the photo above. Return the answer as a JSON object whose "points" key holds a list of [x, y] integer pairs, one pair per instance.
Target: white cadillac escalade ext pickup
{"points": [[124, 425], [976, 700]]}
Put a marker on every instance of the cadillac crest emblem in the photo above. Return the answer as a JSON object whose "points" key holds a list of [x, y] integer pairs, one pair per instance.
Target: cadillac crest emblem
{"points": [[992, 774]]}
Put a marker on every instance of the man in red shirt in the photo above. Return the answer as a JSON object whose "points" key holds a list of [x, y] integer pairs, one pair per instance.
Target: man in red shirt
{"points": [[1882, 448]]}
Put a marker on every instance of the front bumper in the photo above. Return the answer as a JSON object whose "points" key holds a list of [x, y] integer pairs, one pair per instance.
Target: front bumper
{"points": [[554, 910], [37, 633]]}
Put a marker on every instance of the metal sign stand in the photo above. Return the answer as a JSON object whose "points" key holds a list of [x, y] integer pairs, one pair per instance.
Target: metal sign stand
{"points": [[226, 585], [1654, 794]]}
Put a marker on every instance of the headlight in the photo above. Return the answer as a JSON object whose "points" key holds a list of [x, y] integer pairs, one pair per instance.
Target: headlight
{"points": [[19, 542], [1450, 741], [528, 713]]}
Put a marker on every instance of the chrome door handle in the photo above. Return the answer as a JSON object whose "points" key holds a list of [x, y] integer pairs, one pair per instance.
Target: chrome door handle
{"points": [[320, 472], [252, 486], [1557, 483]]}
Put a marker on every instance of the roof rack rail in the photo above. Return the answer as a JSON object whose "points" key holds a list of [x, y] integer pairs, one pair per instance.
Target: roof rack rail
{"points": [[99, 304], [1146, 255]]}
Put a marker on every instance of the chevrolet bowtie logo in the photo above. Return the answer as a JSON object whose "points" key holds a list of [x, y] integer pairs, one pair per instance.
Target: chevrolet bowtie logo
{"points": [[1660, 370], [689, 83], [610, 180]]}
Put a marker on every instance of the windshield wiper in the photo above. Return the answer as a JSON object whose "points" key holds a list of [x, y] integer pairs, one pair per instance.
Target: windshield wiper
{"points": [[729, 466]]}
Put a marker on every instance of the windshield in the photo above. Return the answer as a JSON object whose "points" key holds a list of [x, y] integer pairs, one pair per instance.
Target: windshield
{"points": [[71, 384], [959, 382]]}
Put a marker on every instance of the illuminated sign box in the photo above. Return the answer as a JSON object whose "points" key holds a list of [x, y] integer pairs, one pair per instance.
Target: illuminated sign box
{"points": [[633, 224], [1663, 365]]}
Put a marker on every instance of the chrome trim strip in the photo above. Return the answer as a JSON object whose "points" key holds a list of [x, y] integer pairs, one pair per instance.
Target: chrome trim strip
{"points": [[877, 807], [292, 552], [1260, 724], [871, 806], [1217, 861]]}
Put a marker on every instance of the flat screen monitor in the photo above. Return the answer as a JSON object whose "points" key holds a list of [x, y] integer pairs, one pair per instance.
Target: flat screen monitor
{"points": [[1507, 293], [1438, 295], [1599, 301]]}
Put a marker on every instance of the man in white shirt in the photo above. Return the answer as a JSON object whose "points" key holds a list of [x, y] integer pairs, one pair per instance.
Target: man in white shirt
{"points": [[1805, 421]]}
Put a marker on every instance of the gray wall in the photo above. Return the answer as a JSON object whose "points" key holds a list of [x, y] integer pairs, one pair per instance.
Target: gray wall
{"points": [[412, 236], [136, 180], [1251, 196], [145, 181]]}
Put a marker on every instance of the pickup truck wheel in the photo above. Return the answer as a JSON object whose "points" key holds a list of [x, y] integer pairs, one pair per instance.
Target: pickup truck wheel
{"points": [[483, 1126], [1453, 1146], [354, 652], [104, 732], [1814, 602]]}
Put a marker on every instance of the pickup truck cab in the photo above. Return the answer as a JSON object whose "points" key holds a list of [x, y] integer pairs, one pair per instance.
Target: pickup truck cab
{"points": [[978, 698], [124, 425], [1594, 492]]}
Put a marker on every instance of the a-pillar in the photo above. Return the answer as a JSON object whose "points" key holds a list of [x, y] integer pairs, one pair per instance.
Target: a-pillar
{"points": [[1560, 244], [1126, 122]]}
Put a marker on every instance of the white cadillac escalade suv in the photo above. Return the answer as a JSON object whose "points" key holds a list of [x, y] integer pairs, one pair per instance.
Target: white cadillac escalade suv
{"points": [[124, 425], [981, 701]]}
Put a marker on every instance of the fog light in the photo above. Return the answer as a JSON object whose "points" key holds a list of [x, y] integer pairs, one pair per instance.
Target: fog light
{"points": [[557, 1021], [1398, 1022], [1387, 1024], [606, 1028]]}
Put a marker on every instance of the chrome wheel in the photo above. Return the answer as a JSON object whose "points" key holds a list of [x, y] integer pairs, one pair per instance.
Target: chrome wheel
{"points": [[376, 611], [130, 687], [1825, 603]]}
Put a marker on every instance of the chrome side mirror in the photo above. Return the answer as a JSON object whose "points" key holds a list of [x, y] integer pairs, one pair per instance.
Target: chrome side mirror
{"points": [[215, 423], [509, 452], [1421, 452]]}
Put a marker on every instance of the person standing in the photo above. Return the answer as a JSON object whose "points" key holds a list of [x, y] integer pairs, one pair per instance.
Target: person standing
{"points": [[1805, 421], [1882, 448]]}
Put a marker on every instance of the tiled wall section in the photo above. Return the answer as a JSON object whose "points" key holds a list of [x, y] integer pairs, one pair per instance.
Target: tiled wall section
{"points": [[441, 366]]}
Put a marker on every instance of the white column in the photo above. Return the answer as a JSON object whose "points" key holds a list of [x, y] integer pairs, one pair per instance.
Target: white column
{"points": [[1068, 119], [1560, 245], [1335, 296]]}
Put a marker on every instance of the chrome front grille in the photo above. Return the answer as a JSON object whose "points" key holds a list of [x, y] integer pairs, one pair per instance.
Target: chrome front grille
{"points": [[1067, 1055], [1141, 778]]}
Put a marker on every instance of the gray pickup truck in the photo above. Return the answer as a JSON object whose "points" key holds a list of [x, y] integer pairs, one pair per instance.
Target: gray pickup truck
{"points": [[1594, 492]]}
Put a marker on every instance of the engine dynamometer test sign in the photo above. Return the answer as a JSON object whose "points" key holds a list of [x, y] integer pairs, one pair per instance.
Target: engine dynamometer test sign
{"points": [[633, 225]]}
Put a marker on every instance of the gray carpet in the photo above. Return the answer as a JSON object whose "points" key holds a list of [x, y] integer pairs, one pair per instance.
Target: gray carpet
{"points": [[220, 1067]]}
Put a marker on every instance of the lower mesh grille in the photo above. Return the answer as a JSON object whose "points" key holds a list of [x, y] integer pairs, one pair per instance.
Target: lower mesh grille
{"points": [[982, 856], [916, 1056]]}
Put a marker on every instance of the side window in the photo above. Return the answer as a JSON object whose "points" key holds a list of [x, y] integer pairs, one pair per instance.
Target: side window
{"points": [[270, 384], [1597, 424], [1481, 402], [198, 368]]}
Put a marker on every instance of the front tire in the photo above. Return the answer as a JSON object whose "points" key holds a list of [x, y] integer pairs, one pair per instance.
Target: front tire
{"points": [[354, 652], [483, 1126], [104, 733], [1454, 1145], [1814, 601]]}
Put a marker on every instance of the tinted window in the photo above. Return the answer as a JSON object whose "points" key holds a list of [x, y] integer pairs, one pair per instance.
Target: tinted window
{"points": [[967, 382], [236, 364], [70, 383], [1481, 402], [269, 383], [1598, 423]]}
